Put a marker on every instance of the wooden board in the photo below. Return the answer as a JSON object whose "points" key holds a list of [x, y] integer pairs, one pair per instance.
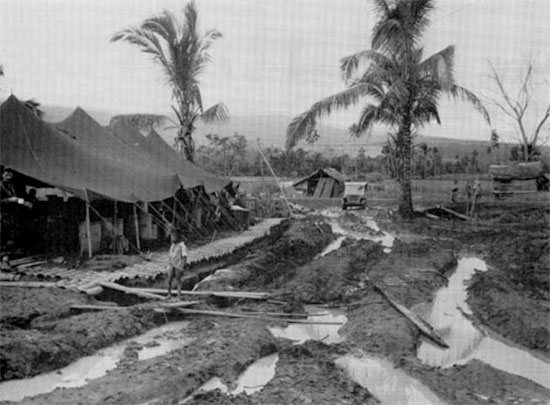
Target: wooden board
{"points": [[424, 327]]}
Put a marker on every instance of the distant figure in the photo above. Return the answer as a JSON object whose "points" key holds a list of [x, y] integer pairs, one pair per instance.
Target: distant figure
{"points": [[454, 191], [177, 261]]}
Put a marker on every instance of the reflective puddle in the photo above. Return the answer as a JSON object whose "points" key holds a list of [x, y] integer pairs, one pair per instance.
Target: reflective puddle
{"points": [[468, 342], [372, 231], [299, 333], [390, 385], [153, 343], [255, 377]]}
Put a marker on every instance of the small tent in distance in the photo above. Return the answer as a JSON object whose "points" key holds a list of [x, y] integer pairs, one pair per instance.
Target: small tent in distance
{"points": [[322, 183]]}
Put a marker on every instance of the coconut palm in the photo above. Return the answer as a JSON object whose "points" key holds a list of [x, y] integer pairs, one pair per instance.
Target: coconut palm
{"points": [[183, 54], [401, 87]]}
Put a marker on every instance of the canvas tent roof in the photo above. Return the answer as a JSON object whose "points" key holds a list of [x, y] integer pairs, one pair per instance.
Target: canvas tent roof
{"points": [[329, 172], [38, 150], [519, 171], [190, 174]]}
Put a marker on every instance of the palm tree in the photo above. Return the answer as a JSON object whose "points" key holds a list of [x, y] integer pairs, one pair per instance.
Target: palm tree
{"points": [[403, 88], [182, 53]]}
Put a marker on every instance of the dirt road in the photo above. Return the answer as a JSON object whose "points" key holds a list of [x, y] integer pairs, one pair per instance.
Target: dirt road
{"points": [[510, 299]]}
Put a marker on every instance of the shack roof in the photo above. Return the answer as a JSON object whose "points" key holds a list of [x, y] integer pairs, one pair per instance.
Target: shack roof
{"points": [[326, 172], [517, 171]]}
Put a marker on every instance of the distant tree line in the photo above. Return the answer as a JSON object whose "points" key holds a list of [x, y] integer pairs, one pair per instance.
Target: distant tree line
{"points": [[235, 156]]}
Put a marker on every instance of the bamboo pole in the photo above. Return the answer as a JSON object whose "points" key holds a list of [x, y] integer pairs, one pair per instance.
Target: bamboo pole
{"points": [[136, 223], [88, 225]]}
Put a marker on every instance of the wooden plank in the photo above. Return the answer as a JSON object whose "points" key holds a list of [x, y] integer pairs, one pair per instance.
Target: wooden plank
{"points": [[26, 284], [180, 304], [233, 294], [454, 213], [133, 291], [96, 307], [424, 327], [31, 264], [234, 315]]}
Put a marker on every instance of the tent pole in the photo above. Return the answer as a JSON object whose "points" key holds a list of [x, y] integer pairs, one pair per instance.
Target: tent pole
{"points": [[274, 175], [88, 225], [115, 229], [136, 223]]}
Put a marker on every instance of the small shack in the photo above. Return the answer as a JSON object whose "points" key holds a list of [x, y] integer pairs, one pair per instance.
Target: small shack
{"points": [[518, 178], [322, 183]]}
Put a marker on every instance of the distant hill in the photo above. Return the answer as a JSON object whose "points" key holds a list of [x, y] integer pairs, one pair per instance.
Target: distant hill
{"points": [[270, 130], [58, 113]]}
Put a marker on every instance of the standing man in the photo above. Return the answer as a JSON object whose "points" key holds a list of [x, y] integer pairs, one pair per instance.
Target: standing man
{"points": [[178, 261]]}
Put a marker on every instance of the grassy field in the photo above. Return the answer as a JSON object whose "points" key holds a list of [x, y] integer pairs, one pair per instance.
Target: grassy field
{"points": [[387, 192]]}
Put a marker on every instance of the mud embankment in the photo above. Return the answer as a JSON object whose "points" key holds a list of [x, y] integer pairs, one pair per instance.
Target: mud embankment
{"points": [[40, 332], [276, 263], [513, 297]]}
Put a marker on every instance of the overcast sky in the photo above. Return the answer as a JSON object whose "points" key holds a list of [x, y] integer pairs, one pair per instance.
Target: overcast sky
{"points": [[275, 57]]}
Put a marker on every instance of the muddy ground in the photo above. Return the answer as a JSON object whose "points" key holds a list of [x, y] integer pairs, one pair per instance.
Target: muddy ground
{"points": [[39, 332]]}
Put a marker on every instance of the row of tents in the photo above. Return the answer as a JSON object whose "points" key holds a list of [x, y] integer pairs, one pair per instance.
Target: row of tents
{"points": [[91, 161], [95, 164]]}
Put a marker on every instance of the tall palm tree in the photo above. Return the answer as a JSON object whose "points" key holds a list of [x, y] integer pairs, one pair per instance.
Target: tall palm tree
{"points": [[183, 54], [403, 88]]}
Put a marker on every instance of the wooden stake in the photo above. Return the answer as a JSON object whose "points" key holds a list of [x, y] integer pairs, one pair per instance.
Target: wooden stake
{"points": [[88, 225]]}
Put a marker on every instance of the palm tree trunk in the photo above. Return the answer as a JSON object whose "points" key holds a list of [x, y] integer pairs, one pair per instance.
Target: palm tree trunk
{"points": [[404, 136]]}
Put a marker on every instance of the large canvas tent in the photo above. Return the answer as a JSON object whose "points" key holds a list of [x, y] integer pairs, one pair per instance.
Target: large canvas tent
{"points": [[92, 162], [322, 183], [82, 167], [80, 156]]}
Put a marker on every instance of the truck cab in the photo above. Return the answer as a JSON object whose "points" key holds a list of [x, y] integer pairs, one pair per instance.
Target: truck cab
{"points": [[355, 195]]}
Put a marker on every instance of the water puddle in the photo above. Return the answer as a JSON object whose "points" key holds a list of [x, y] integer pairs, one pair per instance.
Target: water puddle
{"points": [[153, 343], [467, 342], [254, 378], [257, 375], [299, 333], [334, 245], [390, 385], [373, 233]]}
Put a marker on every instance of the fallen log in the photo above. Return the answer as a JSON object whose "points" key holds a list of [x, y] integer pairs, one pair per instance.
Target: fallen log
{"points": [[133, 291], [424, 327], [235, 315], [454, 213], [27, 284]]}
